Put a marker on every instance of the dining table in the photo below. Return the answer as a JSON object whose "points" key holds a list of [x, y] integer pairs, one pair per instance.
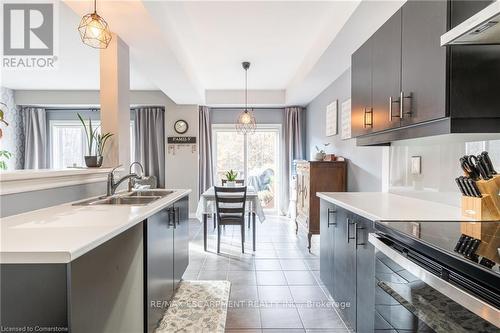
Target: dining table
{"points": [[206, 207]]}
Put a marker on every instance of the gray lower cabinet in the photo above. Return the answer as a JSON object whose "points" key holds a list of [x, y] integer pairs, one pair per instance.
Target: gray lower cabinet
{"points": [[327, 241], [347, 264], [159, 265], [365, 276], [181, 238], [166, 254]]}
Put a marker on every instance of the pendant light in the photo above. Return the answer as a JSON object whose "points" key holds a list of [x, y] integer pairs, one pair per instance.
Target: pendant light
{"points": [[94, 30], [245, 124]]}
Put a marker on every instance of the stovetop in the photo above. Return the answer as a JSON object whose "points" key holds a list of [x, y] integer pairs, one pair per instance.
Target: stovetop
{"points": [[478, 243]]}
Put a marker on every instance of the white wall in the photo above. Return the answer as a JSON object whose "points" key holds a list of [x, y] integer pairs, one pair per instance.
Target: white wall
{"points": [[440, 164], [181, 168], [367, 167]]}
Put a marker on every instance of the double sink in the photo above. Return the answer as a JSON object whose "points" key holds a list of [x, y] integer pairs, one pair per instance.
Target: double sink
{"points": [[139, 198]]}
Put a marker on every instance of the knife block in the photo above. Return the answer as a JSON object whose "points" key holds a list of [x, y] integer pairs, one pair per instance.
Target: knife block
{"points": [[480, 209], [491, 187]]}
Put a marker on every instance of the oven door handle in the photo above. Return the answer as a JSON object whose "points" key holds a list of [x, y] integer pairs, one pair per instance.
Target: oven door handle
{"points": [[468, 301]]}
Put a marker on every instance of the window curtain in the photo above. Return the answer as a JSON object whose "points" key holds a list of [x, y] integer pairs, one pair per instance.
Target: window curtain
{"points": [[294, 150], [205, 161], [149, 127], [35, 138]]}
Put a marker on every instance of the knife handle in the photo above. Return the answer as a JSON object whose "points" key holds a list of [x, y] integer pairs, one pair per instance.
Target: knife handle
{"points": [[487, 161], [460, 186], [475, 189], [466, 186]]}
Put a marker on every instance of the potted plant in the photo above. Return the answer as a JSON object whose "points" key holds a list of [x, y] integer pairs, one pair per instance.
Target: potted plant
{"points": [[94, 157], [231, 178], [4, 156]]}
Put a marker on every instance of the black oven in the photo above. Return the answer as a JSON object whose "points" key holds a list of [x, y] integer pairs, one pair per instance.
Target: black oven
{"points": [[423, 287]]}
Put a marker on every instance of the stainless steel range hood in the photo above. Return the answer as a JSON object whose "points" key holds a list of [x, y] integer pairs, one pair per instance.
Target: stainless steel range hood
{"points": [[482, 28]]}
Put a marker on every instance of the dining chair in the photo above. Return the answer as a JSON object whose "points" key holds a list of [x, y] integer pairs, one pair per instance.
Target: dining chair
{"points": [[239, 182], [230, 208]]}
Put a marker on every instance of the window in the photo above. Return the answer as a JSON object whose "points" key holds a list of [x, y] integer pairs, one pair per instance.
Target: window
{"points": [[255, 157], [68, 143]]}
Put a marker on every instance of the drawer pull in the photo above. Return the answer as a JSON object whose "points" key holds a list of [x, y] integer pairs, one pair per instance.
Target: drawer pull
{"points": [[330, 212]]}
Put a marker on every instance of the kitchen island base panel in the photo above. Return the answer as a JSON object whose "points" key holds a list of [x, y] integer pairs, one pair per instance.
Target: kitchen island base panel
{"points": [[106, 285]]}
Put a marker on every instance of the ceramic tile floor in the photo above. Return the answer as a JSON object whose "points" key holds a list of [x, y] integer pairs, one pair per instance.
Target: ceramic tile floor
{"points": [[274, 289]]}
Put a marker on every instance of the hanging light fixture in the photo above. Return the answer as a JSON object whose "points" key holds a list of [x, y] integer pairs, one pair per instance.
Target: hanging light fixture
{"points": [[94, 30], [245, 124]]}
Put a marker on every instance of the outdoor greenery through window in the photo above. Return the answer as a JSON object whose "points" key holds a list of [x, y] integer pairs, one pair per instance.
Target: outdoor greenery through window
{"points": [[68, 143], [254, 156]]}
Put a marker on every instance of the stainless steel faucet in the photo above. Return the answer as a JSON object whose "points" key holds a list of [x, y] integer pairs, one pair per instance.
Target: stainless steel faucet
{"points": [[111, 185], [130, 185]]}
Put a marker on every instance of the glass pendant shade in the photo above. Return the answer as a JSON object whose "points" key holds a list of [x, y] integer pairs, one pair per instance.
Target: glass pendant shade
{"points": [[245, 124], [94, 31]]}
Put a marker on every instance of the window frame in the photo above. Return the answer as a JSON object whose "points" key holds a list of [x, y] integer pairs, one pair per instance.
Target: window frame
{"points": [[260, 128], [76, 123]]}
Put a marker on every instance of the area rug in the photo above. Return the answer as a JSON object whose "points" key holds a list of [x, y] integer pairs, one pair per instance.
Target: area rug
{"points": [[197, 306]]}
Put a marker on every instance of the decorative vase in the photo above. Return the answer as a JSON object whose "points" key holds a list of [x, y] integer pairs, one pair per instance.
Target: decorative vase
{"points": [[319, 156], [231, 183], [93, 161]]}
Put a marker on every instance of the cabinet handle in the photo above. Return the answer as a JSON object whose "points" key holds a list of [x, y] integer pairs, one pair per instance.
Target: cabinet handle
{"points": [[402, 98], [177, 216], [171, 216], [392, 101], [349, 230], [356, 235], [330, 212]]}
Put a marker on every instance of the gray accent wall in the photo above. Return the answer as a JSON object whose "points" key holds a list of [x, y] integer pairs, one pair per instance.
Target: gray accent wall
{"points": [[367, 167]]}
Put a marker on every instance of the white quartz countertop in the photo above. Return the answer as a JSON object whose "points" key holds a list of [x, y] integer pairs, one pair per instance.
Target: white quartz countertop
{"points": [[62, 233], [379, 206]]}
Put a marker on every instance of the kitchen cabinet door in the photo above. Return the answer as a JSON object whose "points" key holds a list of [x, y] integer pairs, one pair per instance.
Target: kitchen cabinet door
{"points": [[327, 243], [365, 276], [345, 267], [159, 262], [423, 76], [181, 238], [386, 69], [361, 89]]}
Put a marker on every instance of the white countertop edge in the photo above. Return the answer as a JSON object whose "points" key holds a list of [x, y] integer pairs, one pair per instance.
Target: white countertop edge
{"points": [[455, 216], [64, 257], [7, 176], [353, 209]]}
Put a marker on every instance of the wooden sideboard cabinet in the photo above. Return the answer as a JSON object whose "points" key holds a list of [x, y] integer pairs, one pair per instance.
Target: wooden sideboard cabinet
{"points": [[313, 177]]}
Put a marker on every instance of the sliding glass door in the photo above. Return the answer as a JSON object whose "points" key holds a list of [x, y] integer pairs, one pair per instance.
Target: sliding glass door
{"points": [[255, 157]]}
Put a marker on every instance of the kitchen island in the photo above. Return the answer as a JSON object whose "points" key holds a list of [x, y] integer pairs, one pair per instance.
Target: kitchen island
{"points": [[65, 264]]}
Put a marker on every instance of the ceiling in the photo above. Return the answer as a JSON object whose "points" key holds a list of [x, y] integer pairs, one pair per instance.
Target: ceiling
{"points": [[77, 66], [189, 48], [275, 37]]}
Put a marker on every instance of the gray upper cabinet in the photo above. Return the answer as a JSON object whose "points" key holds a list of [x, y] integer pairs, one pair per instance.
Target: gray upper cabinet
{"points": [[386, 71], [361, 88], [423, 68], [415, 81]]}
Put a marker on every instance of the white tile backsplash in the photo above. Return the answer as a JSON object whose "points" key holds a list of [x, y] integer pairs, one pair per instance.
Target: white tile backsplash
{"points": [[440, 164]]}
